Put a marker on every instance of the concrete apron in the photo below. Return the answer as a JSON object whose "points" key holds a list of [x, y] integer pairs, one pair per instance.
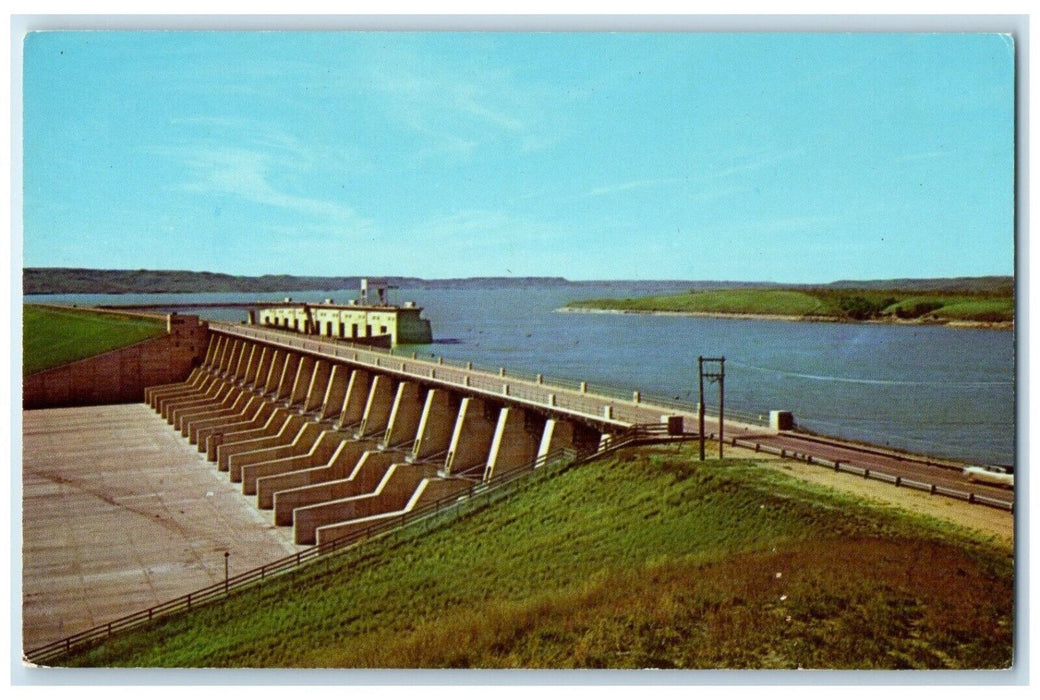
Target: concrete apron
{"points": [[108, 532]]}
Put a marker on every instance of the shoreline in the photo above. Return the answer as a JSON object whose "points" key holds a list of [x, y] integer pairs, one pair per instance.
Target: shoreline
{"points": [[953, 323]]}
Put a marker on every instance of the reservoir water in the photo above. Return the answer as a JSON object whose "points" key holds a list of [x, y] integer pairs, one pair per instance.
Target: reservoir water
{"points": [[947, 392]]}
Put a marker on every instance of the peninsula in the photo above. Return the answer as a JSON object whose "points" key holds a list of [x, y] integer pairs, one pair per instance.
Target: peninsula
{"points": [[978, 302]]}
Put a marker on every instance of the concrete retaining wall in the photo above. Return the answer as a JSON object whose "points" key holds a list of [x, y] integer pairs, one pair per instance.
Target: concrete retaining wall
{"points": [[428, 491], [280, 430], [196, 376], [471, 441], [318, 455], [364, 477], [433, 435], [340, 466], [512, 445], [291, 441], [120, 376], [393, 493], [254, 416]]}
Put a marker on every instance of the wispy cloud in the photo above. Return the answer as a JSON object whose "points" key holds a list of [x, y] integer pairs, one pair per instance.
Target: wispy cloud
{"points": [[246, 173], [457, 105], [485, 242], [473, 99], [754, 163], [711, 194], [809, 224], [631, 185], [922, 155], [470, 229], [257, 163], [447, 145]]}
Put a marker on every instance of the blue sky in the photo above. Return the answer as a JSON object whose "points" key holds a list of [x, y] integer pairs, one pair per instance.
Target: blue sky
{"points": [[782, 157]]}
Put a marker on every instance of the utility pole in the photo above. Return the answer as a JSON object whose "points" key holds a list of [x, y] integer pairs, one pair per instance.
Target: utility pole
{"points": [[722, 400], [720, 377], [227, 555], [700, 405]]}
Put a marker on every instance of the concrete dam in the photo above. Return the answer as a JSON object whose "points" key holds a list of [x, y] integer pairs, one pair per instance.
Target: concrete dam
{"points": [[327, 438], [333, 438]]}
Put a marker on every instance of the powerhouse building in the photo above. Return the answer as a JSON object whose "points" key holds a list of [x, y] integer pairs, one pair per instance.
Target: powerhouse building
{"points": [[372, 319]]}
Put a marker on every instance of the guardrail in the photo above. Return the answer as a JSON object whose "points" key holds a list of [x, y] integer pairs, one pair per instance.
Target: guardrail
{"points": [[480, 494], [871, 473]]}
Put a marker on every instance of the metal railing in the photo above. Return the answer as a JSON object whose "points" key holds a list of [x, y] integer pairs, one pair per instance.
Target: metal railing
{"points": [[478, 494]]}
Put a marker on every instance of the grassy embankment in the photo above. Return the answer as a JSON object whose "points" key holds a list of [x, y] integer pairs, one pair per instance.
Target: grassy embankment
{"points": [[823, 303], [645, 559], [53, 337]]}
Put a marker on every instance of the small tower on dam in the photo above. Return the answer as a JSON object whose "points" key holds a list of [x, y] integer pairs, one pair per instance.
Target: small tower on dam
{"points": [[371, 319]]}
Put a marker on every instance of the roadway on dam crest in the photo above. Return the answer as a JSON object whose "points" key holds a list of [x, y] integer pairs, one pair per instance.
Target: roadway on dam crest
{"points": [[120, 513], [893, 463]]}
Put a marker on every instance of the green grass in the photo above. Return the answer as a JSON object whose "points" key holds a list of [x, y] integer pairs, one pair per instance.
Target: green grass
{"points": [[842, 304], [646, 559], [52, 337], [738, 301], [995, 310]]}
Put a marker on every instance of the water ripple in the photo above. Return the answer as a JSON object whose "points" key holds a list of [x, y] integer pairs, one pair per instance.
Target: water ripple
{"points": [[883, 382]]}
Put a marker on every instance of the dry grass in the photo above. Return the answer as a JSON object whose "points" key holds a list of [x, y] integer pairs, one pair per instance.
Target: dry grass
{"points": [[648, 559], [842, 604]]}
